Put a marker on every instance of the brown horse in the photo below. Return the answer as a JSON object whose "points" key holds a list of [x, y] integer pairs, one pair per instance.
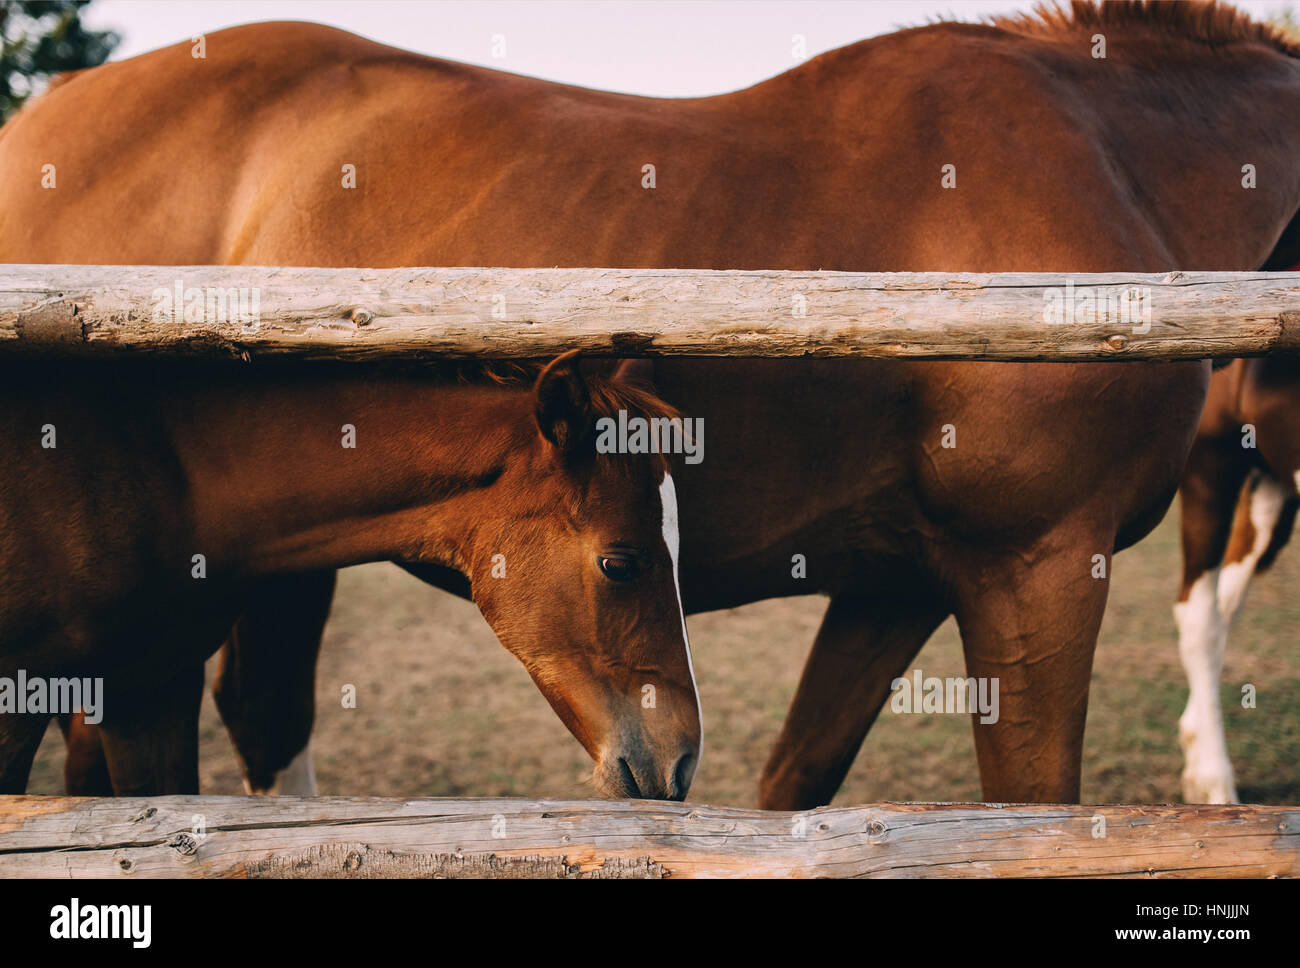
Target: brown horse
{"points": [[910, 491], [1239, 501], [139, 503]]}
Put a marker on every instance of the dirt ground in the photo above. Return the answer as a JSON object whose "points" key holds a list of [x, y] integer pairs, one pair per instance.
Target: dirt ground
{"points": [[444, 710]]}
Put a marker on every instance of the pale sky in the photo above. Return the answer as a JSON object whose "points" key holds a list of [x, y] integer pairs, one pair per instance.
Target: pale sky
{"points": [[656, 47]]}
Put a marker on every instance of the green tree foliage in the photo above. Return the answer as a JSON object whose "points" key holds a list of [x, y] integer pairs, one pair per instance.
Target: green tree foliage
{"points": [[41, 38], [1286, 21]]}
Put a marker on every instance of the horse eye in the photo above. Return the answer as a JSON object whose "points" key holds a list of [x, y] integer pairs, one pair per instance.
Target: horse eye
{"points": [[618, 569]]}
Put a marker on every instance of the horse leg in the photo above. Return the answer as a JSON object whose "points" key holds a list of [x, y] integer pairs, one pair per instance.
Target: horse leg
{"points": [[1265, 512], [20, 737], [152, 748], [266, 681], [862, 646], [1029, 624], [1210, 489], [85, 768]]}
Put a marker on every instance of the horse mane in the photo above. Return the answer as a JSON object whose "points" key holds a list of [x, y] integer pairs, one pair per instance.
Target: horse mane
{"points": [[1210, 22], [501, 372], [609, 396], [606, 395]]}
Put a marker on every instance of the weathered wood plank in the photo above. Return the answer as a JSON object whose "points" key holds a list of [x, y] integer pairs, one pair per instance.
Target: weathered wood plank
{"points": [[371, 837], [502, 313]]}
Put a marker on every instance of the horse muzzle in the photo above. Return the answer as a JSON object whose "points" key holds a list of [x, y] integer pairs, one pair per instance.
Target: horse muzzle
{"points": [[634, 771]]}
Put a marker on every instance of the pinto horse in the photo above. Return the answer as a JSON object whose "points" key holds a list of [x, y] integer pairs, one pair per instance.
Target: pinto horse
{"points": [[912, 490], [139, 503], [1239, 500]]}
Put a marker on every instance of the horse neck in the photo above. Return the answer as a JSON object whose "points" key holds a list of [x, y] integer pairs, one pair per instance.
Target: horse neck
{"points": [[273, 488]]}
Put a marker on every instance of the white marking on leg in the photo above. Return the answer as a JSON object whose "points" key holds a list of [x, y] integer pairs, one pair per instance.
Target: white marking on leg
{"points": [[672, 538], [298, 779], [1207, 773], [1266, 501], [1203, 641]]}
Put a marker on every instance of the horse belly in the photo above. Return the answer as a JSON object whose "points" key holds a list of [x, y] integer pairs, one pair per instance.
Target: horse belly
{"points": [[1008, 450]]}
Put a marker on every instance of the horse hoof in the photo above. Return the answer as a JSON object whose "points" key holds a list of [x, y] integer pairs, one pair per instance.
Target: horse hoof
{"points": [[1209, 788]]}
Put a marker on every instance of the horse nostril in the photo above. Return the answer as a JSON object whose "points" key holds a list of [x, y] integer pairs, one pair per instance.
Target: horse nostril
{"points": [[637, 774], [683, 774], [629, 779]]}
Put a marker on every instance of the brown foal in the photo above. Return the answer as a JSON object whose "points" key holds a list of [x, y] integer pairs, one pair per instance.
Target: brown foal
{"points": [[139, 503]]}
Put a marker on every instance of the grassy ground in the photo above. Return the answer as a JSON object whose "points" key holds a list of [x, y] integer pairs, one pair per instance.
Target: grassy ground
{"points": [[443, 710]]}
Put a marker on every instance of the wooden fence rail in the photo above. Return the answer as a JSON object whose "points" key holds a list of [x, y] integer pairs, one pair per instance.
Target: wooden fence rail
{"points": [[514, 313], [332, 837]]}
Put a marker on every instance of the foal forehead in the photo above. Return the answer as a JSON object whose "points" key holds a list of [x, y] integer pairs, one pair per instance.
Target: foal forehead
{"points": [[631, 500]]}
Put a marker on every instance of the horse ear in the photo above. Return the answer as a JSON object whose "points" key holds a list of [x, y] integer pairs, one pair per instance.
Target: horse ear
{"points": [[563, 404], [638, 370]]}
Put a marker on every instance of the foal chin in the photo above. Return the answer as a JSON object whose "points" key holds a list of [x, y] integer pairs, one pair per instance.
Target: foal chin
{"points": [[639, 721], [626, 695], [640, 752], [643, 759]]}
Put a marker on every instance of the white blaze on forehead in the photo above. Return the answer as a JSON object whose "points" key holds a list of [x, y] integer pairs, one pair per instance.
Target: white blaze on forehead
{"points": [[672, 538]]}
